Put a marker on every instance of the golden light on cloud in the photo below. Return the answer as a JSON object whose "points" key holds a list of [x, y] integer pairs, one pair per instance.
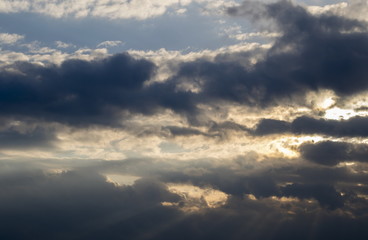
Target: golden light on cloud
{"points": [[286, 146], [196, 198], [321, 100], [285, 199], [121, 180]]}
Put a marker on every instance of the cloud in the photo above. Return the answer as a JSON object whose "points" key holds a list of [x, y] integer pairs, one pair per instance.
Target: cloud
{"points": [[352, 127], [10, 38], [312, 53], [183, 131], [32, 138], [326, 195], [77, 92], [267, 196], [136, 9], [110, 44], [76, 205], [82, 204], [354, 9], [332, 153], [271, 126], [60, 44]]}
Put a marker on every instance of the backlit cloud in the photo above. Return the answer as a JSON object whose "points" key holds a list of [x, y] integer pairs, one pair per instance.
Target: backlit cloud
{"points": [[262, 137]]}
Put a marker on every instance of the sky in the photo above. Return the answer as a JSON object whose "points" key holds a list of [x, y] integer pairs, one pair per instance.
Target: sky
{"points": [[183, 119]]}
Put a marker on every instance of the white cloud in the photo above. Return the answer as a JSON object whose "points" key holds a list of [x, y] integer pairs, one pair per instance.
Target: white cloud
{"points": [[60, 44], [8, 38], [246, 36], [356, 9], [8, 6], [110, 44], [46, 55], [112, 9]]}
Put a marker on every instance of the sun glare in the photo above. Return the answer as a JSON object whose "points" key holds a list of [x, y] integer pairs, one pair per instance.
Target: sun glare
{"points": [[338, 113]]}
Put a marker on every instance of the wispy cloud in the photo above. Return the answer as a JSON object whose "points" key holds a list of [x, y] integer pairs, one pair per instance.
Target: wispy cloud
{"points": [[110, 44]]}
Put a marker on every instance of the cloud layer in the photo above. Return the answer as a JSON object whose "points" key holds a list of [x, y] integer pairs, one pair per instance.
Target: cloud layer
{"points": [[234, 129], [313, 53]]}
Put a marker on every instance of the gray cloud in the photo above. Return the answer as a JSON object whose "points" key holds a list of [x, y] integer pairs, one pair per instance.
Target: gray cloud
{"points": [[80, 204], [34, 138], [326, 195], [74, 204], [331, 153], [313, 52], [87, 92], [272, 178], [352, 127], [269, 199]]}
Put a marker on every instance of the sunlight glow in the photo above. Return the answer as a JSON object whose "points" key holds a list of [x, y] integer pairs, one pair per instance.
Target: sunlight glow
{"points": [[338, 113], [121, 180], [197, 198]]}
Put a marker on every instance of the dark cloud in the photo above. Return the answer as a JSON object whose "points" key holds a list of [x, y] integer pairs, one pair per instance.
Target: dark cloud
{"points": [[331, 153], [326, 195], [31, 138], [85, 92], [77, 92], [314, 52], [269, 199], [363, 108], [82, 205], [72, 205], [271, 126], [352, 127]]}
